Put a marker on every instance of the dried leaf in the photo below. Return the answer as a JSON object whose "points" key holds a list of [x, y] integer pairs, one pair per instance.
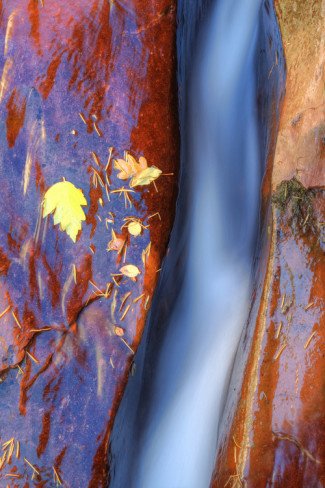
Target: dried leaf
{"points": [[145, 177], [119, 331], [130, 271], [140, 173], [65, 201], [134, 228], [116, 243], [129, 166]]}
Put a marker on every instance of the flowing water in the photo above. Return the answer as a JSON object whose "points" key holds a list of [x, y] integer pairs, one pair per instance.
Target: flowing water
{"points": [[183, 391]]}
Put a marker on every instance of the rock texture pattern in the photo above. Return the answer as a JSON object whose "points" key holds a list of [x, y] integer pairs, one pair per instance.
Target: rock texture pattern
{"points": [[86, 98], [272, 432]]}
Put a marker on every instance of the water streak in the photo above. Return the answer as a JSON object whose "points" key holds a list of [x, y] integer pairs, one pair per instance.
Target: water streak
{"points": [[178, 447]]}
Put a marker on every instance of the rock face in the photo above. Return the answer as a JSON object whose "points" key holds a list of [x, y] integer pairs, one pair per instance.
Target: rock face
{"points": [[87, 98], [300, 149], [272, 432]]}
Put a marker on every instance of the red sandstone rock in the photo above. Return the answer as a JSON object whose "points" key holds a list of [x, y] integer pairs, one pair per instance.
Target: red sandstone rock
{"points": [[273, 429], [78, 78]]}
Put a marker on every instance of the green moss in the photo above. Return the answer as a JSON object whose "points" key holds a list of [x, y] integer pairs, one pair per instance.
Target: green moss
{"points": [[293, 197]]}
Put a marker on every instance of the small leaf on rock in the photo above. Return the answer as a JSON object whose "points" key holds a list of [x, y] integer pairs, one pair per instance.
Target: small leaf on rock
{"points": [[129, 166], [130, 271], [145, 177], [119, 331], [65, 201], [116, 243], [134, 228]]}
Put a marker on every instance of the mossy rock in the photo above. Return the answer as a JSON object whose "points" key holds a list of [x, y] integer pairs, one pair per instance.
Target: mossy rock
{"points": [[293, 197]]}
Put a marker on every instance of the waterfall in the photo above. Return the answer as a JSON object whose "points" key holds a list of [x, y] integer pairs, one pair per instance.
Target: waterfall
{"points": [[182, 390]]}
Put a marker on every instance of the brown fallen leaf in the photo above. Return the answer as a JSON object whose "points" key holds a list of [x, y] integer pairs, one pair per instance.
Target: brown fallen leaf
{"points": [[129, 166], [140, 172]]}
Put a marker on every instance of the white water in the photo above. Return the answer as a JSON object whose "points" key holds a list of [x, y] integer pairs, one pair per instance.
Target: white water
{"points": [[179, 445]]}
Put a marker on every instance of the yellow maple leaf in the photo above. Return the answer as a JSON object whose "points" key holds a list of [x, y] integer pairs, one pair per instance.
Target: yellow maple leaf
{"points": [[65, 201]]}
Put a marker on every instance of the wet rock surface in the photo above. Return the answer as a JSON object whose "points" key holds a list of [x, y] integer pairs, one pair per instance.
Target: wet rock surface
{"points": [[272, 432], [85, 96], [277, 424]]}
